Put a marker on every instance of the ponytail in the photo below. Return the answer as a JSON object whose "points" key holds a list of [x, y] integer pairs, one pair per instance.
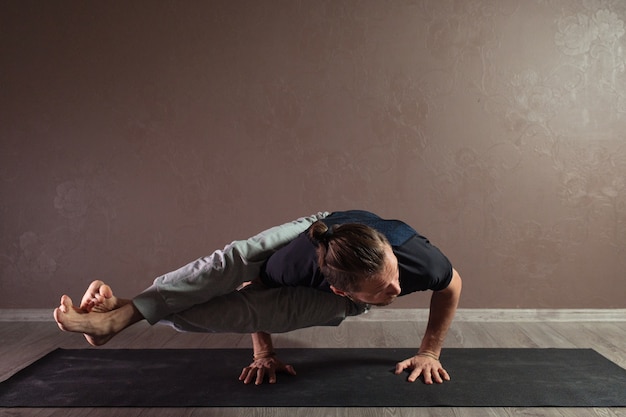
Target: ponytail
{"points": [[348, 253], [320, 233]]}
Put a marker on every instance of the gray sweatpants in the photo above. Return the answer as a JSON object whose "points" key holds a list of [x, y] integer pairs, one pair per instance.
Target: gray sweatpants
{"points": [[202, 296]]}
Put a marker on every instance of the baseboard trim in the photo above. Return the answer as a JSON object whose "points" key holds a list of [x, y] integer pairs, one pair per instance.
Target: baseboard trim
{"points": [[26, 314], [401, 314], [501, 315]]}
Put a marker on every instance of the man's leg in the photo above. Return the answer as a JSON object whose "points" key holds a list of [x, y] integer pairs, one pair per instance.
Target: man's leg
{"points": [[220, 273], [97, 327], [272, 310]]}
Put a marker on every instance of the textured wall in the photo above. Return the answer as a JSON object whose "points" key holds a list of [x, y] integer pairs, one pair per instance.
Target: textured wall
{"points": [[139, 135]]}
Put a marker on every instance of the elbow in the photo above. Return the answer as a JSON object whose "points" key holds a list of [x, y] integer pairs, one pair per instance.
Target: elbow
{"points": [[455, 286], [457, 278]]}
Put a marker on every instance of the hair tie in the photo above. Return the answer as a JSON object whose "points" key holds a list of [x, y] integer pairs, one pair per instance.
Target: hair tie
{"points": [[325, 237]]}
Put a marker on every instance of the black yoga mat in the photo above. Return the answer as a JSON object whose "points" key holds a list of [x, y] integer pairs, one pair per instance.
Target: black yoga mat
{"points": [[326, 378]]}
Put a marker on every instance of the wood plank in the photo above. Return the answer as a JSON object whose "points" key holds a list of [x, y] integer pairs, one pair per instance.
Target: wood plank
{"points": [[24, 342]]}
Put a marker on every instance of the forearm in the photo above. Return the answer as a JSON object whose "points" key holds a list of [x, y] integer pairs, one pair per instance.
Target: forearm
{"points": [[443, 307], [262, 345], [426, 362]]}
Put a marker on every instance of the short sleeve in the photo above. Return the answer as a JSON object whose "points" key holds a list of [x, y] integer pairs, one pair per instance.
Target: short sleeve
{"points": [[422, 266]]}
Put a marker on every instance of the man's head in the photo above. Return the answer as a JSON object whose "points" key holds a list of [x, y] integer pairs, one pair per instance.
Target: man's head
{"points": [[358, 262]]}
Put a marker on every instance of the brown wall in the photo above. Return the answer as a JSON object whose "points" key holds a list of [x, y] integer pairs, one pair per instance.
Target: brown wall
{"points": [[139, 135]]}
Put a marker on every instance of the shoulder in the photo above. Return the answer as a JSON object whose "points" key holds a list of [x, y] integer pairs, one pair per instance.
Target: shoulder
{"points": [[397, 232], [422, 265]]}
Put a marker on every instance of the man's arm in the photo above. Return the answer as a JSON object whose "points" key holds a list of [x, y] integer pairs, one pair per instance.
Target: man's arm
{"points": [[264, 361], [443, 305]]}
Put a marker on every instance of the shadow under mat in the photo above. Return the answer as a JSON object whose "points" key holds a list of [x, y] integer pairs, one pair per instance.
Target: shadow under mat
{"points": [[326, 378]]}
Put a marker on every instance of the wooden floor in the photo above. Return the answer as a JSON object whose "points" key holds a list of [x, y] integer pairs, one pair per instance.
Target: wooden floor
{"points": [[24, 342]]}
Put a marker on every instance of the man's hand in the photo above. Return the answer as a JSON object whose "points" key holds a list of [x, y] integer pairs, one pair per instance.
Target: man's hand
{"points": [[260, 368], [425, 365]]}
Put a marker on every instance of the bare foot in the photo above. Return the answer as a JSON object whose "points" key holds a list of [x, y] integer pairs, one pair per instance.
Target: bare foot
{"points": [[99, 298], [93, 325], [100, 316]]}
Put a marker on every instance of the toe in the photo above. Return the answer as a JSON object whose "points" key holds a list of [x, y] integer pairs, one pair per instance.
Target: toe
{"points": [[58, 317], [92, 291], [66, 304], [106, 291]]}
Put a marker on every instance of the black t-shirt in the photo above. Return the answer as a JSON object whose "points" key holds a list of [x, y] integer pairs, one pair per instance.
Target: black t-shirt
{"points": [[422, 266]]}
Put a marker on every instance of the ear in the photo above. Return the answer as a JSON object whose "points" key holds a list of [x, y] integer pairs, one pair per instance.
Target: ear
{"points": [[338, 291]]}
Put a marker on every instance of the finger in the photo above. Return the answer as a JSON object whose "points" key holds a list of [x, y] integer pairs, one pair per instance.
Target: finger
{"points": [[250, 375], [415, 374], [290, 370], [400, 366], [444, 374], [260, 374], [272, 376], [436, 376], [244, 373]]}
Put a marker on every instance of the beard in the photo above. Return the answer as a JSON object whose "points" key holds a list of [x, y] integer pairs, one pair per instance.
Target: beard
{"points": [[378, 304], [385, 303]]}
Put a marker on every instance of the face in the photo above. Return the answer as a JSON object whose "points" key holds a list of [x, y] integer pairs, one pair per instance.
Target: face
{"points": [[383, 289]]}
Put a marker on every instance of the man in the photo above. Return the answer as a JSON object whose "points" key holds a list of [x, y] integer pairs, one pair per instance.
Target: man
{"points": [[313, 271]]}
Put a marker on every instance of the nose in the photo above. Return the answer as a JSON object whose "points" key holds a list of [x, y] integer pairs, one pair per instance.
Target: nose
{"points": [[394, 288]]}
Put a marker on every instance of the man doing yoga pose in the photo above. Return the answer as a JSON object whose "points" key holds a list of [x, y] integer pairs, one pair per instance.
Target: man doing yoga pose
{"points": [[314, 271]]}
